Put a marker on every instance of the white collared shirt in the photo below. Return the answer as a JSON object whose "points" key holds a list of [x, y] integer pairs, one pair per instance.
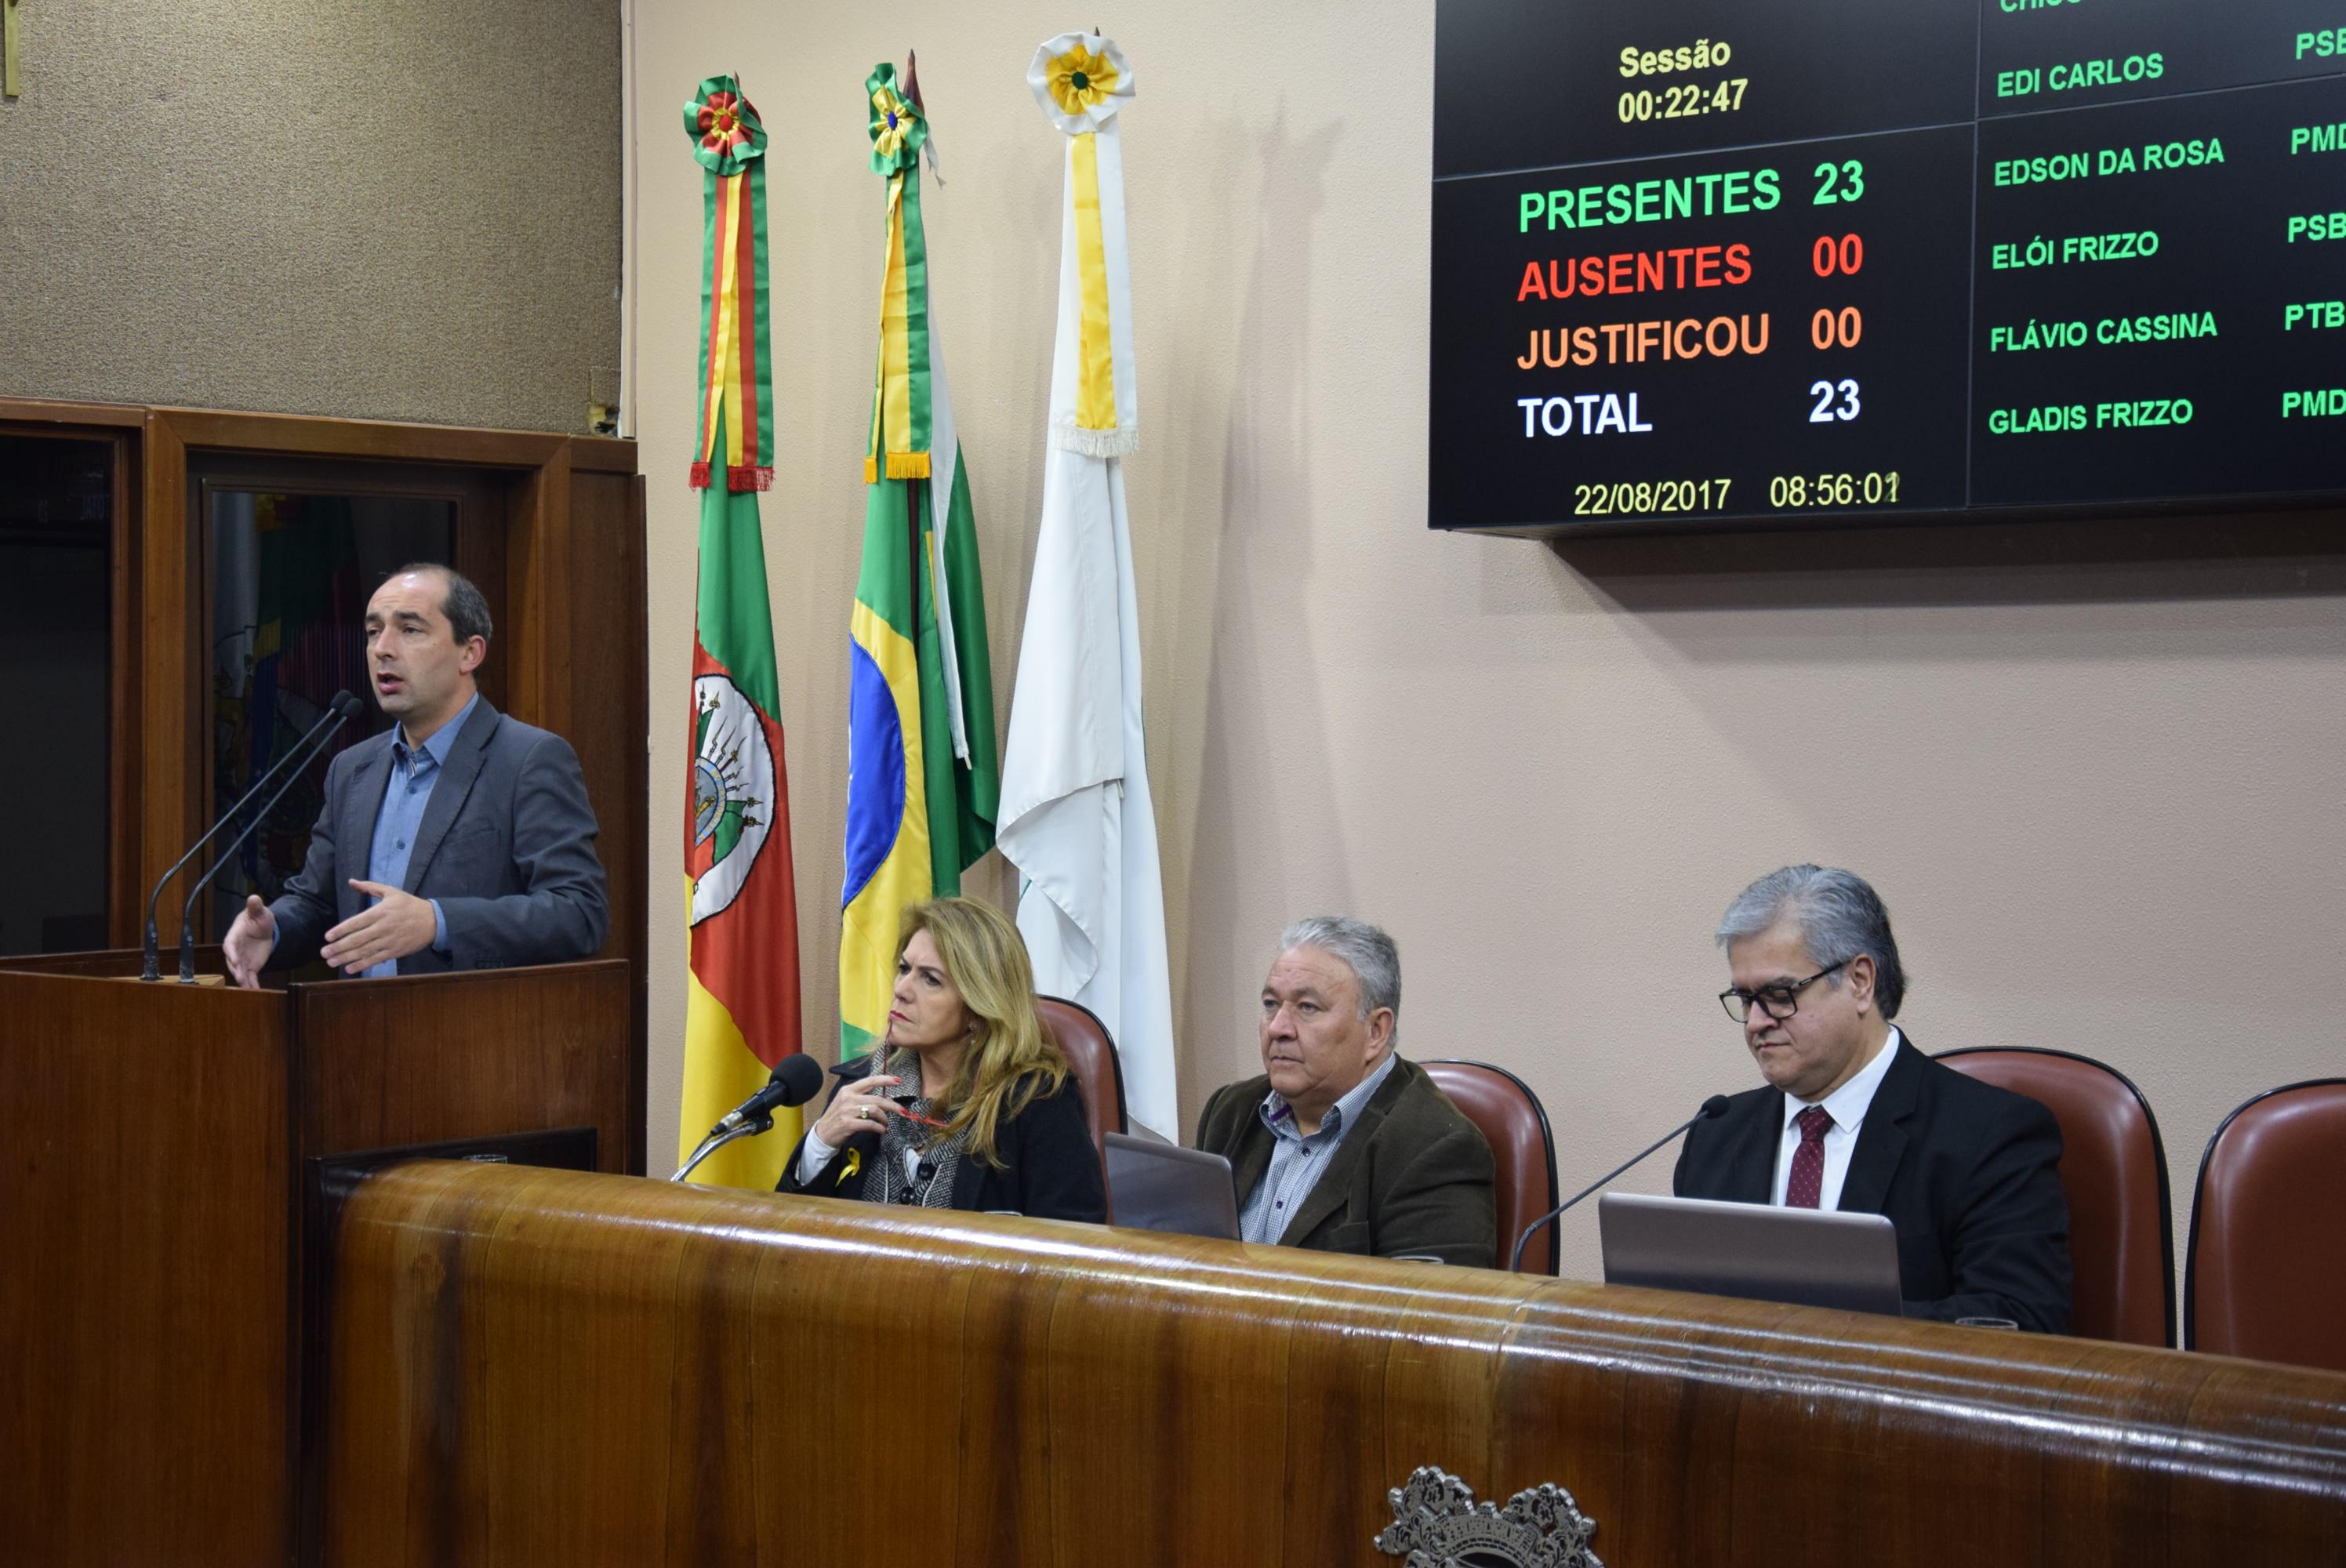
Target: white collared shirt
{"points": [[1847, 1106]]}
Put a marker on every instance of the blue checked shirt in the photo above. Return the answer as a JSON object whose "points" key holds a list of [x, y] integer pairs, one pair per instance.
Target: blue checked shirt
{"points": [[413, 772], [1297, 1161]]}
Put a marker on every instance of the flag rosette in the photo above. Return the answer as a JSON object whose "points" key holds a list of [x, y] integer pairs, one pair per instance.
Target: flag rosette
{"points": [[735, 449], [724, 128], [1078, 77], [1081, 80], [898, 128]]}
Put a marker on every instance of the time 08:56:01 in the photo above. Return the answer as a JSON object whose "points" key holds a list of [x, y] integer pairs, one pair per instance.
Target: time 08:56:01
{"points": [[1833, 490]]}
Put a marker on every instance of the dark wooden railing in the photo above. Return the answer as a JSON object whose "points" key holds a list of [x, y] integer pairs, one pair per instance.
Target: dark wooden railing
{"points": [[537, 1367]]}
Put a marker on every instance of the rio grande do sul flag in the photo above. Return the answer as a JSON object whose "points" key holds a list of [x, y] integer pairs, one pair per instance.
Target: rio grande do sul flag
{"points": [[742, 1003], [921, 775]]}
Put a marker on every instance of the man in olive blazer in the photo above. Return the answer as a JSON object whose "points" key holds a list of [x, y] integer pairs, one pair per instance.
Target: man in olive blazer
{"points": [[1341, 1145]]}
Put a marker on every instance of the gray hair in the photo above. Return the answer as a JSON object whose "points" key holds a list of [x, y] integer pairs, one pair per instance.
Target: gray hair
{"points": [[1840, 916], [1367, 951], [467, 611]]}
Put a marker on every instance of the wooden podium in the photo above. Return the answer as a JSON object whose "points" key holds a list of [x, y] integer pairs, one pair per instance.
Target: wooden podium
{"points": [[151, 1180]]}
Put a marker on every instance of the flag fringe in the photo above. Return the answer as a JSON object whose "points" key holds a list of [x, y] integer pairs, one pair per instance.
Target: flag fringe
{"points": [[744, 478], [701, 476], [900, 465], [1121, 442]]}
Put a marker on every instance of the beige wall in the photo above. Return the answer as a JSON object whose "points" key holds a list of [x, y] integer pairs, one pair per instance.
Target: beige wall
{"points": [[2101, 800], [373, 208]]}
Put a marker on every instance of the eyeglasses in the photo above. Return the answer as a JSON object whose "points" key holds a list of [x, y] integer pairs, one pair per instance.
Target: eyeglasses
{"points": [[1778, 1002]]}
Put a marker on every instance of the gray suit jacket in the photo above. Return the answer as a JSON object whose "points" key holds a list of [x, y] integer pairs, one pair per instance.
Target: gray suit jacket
{"points": [[506, 846]]}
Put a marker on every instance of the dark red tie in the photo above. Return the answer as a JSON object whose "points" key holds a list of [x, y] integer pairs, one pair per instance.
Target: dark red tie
{"points": [[1806, 1182]]}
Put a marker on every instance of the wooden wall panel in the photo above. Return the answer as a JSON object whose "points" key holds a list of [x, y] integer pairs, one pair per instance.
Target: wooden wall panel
{"points": [[170, 700], [538, 647], [1065, 1394], [609, 708], [143, 1384]]}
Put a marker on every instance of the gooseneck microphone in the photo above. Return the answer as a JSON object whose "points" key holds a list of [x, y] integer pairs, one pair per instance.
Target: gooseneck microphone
{"points": [[341, 700], [343, 708], [797, 1080], [1714, 1107], [794, 1083]]}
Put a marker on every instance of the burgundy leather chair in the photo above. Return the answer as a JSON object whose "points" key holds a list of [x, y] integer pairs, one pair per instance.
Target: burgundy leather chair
{"points": [[2114, 1170], [1515, 1123], [1084, 1040], [2265, 1274]]}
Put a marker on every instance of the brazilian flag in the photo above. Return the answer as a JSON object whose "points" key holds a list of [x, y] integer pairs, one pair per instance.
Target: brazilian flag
{"points": [[924, 774]]}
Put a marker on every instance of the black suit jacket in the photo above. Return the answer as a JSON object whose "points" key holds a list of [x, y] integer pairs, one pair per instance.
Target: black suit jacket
{"points": [[1966, 1172], [507, 845], [1413, 1176], [1050, 1167]]}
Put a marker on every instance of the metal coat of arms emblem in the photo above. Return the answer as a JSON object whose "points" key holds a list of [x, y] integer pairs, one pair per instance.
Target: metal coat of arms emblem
{"points": [[1437, 1523]]}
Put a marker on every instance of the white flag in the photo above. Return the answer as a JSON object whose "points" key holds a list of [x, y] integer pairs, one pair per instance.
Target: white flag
{"points": [[1076, 817]]}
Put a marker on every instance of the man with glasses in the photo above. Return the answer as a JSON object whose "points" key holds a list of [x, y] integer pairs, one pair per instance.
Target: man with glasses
{"points": [[1855, 1118]]}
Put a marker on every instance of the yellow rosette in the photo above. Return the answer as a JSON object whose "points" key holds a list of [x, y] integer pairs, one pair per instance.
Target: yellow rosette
{"points": [[1078, 78], [1081, 80]]}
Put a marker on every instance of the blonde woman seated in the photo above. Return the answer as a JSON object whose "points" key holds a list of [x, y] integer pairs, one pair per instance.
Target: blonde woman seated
{"points": [[967, 1103]]}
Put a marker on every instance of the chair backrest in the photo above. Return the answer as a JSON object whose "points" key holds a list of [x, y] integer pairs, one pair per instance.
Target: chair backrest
{"points": [[1089, 1050], [2265, 1276], [2114, 1171], [1515, 1123]]}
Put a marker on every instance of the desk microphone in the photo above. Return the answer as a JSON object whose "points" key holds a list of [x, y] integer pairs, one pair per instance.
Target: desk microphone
{"points": [[343, 708], [342, 700], [1714, 1107], [794, 1083]]}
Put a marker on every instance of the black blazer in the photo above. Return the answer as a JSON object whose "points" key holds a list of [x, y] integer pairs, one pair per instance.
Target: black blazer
{"points": [[1966, 1171], [1050, 1166], [1413, 1176]]}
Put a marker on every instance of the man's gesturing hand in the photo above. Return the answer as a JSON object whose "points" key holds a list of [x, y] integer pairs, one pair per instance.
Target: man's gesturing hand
{"points": [[401, 924], [250, 942]]}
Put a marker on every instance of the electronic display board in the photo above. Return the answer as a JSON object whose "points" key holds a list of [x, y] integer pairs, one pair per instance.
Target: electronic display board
{"points": [[1701, 262]]}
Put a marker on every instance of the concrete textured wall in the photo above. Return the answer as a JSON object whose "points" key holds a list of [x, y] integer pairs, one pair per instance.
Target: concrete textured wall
{"points": [[382, 210], [2101, 800]]}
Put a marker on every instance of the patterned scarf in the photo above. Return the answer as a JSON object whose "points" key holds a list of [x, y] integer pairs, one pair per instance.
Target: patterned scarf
{"points": [[941, 1153]]}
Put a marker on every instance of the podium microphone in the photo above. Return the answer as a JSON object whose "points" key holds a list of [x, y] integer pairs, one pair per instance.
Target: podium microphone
{"points": [[1714, 1107], [797, 1080], [343, 708], [343, 705]]}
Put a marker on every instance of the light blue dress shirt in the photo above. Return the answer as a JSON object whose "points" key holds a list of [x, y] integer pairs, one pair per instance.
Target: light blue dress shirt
{"points": [[1299, 1160], [413, 772]]}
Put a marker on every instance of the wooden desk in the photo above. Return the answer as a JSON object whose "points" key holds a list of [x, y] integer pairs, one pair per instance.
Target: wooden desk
{"points": [[149, 1203], [538, 1367]]}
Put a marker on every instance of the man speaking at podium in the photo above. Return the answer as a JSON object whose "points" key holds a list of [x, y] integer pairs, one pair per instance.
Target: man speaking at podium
{"points": [[462, 838], [1855, 1118]]}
